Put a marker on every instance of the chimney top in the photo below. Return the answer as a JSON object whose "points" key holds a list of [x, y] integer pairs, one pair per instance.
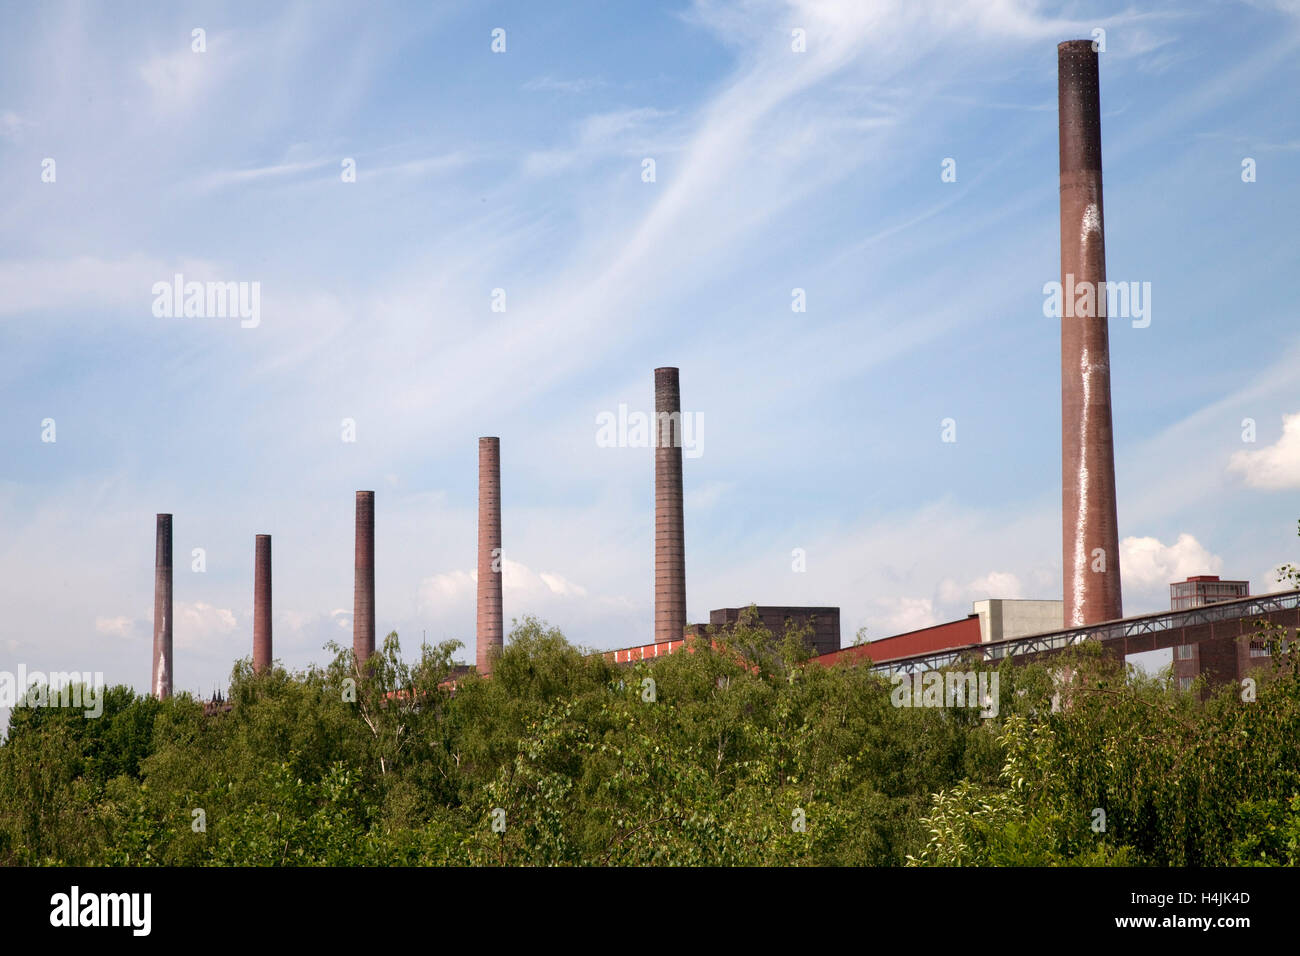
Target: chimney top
{"points": [[1075, 46]]}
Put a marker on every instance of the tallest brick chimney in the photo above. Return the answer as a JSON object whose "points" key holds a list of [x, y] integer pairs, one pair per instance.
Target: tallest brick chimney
{"points": [[670, 536], [161, 681], [1090, 533], [490, 631]]}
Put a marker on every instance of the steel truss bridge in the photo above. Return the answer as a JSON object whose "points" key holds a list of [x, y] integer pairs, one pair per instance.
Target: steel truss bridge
{"points": [[1128, 635]]}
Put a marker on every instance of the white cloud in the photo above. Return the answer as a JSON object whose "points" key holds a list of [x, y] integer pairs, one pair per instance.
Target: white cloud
{"points": [[561, 586], [1276, 466], [1273, 581], [294, 620], [995, 584], [179, 78], [197, 623], [521, 587], [11, 123], [296, 625], [521, 583], [115, 626], [898, 615], [442, 591], [1148, 565]]}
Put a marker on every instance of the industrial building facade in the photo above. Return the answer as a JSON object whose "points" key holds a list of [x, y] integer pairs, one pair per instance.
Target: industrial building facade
{"points": [[823, 621], [1215, 660], [1205, 589], [1217, 638]]}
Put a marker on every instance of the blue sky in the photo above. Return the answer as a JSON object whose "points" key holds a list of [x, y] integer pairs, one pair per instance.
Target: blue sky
{"points": [[522, 171]]}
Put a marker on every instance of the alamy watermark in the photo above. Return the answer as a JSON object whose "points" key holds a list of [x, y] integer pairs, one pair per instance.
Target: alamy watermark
{"points": [[129, 910], [1087, 300], [641, 430], [208, 300], [947, 689], [82, 690]]}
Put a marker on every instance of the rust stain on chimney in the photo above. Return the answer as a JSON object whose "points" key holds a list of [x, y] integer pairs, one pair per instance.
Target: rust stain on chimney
{"points": [[489, 632], [262, 604], [363, 587], [161, 680], [1090, 532], [670, 536]]}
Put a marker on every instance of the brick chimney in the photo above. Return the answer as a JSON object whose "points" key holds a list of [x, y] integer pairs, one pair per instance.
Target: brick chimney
{"points": [[1090, 533], [489, 632], [670, 536], [262, 604], [363, 587], [161, 681]]}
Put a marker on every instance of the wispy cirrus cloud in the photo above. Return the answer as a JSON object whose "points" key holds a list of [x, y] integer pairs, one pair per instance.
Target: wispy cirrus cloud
{"points": [[600, 136], [328, 170], [277, 171], [551, 84]]}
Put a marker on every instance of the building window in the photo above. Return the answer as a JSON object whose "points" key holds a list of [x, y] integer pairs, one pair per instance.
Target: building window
{"points": [[1183, 652], [1258, 649], [1185, 683]]}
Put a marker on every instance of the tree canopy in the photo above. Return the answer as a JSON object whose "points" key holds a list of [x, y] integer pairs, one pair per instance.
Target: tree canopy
{"points": [[734, 752]]}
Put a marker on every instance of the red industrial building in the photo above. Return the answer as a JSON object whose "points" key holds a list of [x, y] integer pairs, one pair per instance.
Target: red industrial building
{"points": [[1214, 659], [940, 637]]}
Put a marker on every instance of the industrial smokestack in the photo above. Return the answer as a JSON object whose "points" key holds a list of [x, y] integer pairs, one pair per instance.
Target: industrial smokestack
{"points": [[161, 681], [670, 536], [262, 604], [1090, 537], [490, 633], [363, 586]]}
